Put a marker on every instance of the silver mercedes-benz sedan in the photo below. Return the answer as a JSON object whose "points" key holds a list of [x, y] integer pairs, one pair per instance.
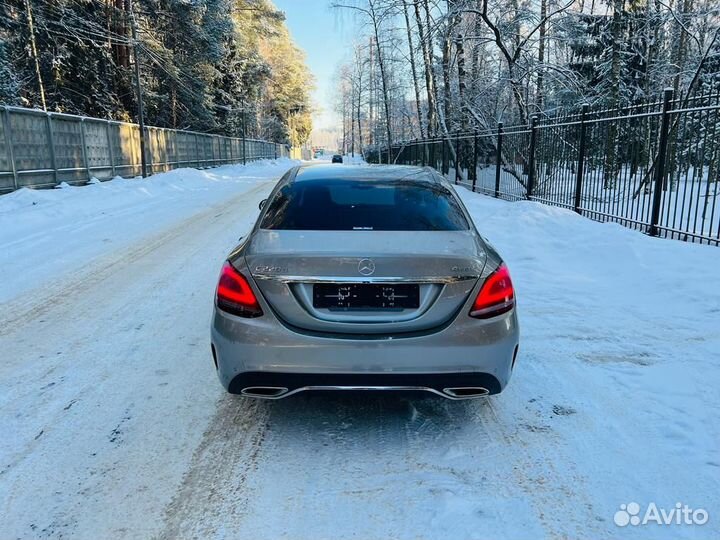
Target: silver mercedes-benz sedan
{"points": [[364, 278]]}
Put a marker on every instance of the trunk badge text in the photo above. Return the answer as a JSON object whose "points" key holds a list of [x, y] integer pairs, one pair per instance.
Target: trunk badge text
{"points": [[270, 269], [366, 267]]}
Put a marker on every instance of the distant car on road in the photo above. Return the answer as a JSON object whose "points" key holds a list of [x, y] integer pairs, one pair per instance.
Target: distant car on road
{"points": [[364, 278], [337, 158]]}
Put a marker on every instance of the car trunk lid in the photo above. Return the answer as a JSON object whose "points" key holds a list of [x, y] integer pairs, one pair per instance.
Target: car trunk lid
{"points": [[368, 282]]}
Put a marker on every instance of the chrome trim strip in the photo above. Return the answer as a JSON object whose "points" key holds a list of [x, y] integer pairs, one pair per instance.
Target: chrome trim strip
{"points": [[371, 388], [362, 279]]}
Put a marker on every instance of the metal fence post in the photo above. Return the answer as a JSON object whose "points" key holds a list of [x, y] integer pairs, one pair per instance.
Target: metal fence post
{"points": [[149, 148], [83, 139], [111, 153], [9, 146], [445, 164], [498, 159], [531, 157], [660, 162], [457, 157], [197, 151], [243, 145], [475, 159], [581, 160], [51, 145]]}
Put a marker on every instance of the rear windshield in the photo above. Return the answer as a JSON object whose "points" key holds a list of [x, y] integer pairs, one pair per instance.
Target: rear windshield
{"points": [[374, 205]]}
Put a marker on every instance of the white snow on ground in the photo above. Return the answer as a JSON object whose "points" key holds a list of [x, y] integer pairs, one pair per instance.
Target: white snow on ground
{"points": [[114, 425], [45, 232]]}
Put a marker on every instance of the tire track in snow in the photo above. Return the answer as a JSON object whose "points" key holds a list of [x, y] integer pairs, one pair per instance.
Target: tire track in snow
{"points": [[96, 326], [534, 451], [37, 302], [76, 299], [219, 470]]}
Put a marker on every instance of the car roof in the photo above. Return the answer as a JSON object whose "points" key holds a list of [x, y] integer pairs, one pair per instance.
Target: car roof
{"points": [[364, 172]]}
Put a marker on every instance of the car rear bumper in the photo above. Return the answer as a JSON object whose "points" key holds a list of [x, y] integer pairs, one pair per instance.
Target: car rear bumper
{"points": [[264, 352], [274, 385]]}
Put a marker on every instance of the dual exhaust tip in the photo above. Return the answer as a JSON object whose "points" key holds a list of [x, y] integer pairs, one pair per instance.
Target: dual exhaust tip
{"points": [[266, 392], [277, 392], [466, 392]]}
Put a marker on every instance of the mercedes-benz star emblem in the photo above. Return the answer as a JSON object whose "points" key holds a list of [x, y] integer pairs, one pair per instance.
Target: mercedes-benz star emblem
{"points": [[366, 267]]}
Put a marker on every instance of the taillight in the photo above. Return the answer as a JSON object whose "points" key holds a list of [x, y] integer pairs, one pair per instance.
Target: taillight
{"points": [[234, 294], [496, 295]]}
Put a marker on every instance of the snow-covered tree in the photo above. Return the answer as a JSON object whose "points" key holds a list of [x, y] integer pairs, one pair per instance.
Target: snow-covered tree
{"points": [[209, 65]]}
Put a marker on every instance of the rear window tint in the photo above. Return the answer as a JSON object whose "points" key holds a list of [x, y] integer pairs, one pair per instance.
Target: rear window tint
{"points": [[346, 205]]}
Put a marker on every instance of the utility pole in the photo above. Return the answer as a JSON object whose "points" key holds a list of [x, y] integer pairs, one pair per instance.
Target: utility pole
{"points": [[138, 91], [33, 48]]}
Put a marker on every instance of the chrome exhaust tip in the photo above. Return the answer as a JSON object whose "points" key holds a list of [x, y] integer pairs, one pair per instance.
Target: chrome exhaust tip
{"points": [[465, 392], [264, 392]]}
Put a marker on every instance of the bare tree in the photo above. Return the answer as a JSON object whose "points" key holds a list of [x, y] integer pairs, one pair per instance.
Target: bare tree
{"points": [[416, 87], [376, 12]]}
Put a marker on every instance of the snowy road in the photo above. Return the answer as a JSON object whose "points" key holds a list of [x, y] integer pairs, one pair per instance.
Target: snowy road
{"points": [[114, 425]]}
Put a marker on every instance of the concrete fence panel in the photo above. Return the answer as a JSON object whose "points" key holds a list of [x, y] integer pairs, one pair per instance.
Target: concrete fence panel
{"points": [[39, 149]]}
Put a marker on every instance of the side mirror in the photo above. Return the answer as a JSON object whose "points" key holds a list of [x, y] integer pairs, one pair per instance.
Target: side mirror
{"points": [[262, 204]]}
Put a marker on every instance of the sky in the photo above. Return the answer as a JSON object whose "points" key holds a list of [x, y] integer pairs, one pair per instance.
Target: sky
{"points": [[325, 36]]}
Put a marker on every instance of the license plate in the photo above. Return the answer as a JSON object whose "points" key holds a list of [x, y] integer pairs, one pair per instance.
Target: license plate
{"points": [[365, 296]]}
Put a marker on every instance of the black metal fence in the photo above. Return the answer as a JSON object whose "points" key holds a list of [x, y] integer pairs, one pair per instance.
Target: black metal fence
{"points": [[654, 166]]}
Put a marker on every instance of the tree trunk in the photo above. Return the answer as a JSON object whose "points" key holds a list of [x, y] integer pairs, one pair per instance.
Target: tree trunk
{"points": [[429, 76], [447, 44], [33, 50], [541, 56], [462, 82], [679, 52], [383, 79], [121, 50], [413, 68], [615, 73], [475, 57], [359, 69], [359, 123], [371, 90]]}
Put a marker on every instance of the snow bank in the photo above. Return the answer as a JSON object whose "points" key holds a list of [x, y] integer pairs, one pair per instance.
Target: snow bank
{"points": [[357, 159], [71, 225], [626, 327]]}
